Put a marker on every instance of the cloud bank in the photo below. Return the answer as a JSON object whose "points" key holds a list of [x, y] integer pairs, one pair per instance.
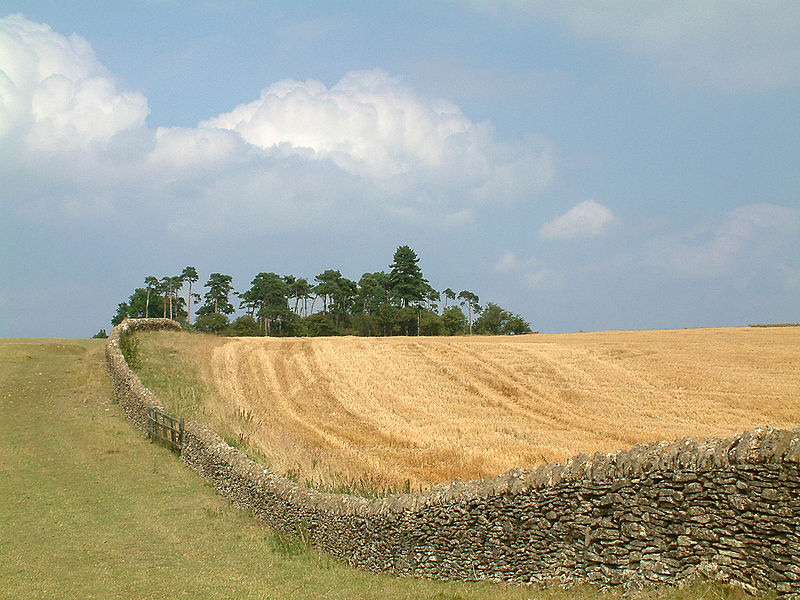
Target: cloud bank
{"points": [[299, 155]]}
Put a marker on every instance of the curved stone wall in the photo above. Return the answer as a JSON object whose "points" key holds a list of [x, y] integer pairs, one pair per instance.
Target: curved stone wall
{"points": [[663, 512]]}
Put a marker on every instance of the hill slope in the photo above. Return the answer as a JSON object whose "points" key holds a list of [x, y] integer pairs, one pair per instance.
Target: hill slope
{"points": [[395, 412]]}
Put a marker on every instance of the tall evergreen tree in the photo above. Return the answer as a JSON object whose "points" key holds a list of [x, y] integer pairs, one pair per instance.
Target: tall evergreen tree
{"points": [[152, 284], [327, 286], [175, 283], [189, 274], [408, 286], [343, 299], [217, 297], [268, 298], [432, 298], [471, 300], [448, 295], [163, 285], [301, 291], [373, 292]]}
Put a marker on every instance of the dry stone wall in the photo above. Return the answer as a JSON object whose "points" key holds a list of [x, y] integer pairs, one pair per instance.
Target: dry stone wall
{"points": [[664, 512]]}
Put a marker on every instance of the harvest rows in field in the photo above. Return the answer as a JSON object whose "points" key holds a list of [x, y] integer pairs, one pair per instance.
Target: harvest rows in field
{"points": [[415, 411]]}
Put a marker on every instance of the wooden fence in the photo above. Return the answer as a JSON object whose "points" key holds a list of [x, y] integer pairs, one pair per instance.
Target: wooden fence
{"points": [[165, 428]]}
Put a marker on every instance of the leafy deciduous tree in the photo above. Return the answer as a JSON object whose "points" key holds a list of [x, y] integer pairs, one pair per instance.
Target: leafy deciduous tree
{"points": [[211, 322], [136, 307], [497, 321], [453, 320]]}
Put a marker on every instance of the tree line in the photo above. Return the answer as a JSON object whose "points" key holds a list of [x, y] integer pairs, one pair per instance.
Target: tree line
{"points": [[398, 302]]}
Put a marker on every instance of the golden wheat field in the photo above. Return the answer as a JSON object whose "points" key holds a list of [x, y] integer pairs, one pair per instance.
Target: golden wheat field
{"points": [[411, 412]]}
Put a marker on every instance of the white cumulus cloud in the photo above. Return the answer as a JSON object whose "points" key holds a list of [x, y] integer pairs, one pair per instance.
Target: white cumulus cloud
{"points": [[367, 120], [371, 125], [587, 219], [300, 154], [55, 94]]}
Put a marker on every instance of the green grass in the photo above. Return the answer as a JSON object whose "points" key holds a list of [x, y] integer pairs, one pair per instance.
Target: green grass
{"points": [[90, 509], [166, 362]]}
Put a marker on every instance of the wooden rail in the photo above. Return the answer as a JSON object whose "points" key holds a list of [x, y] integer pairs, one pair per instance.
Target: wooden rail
{"points": [[166, 428]]}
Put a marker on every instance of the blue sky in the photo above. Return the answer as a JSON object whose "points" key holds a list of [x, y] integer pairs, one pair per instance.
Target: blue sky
{"points": [[590, 166]]}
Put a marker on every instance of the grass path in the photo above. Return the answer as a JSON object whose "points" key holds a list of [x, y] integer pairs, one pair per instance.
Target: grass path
{"points": [[90, 509]]}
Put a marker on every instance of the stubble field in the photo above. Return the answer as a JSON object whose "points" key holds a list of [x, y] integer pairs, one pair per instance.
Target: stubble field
{"points": [[406, 413]]}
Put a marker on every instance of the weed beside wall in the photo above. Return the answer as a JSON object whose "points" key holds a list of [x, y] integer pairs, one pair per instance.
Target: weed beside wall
{"points": [[129, 346], [664, 512]]}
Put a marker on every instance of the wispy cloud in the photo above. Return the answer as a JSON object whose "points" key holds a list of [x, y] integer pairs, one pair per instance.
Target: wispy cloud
{"points": [[533, 272], [733, 45], [587, 219], [750, 239]]}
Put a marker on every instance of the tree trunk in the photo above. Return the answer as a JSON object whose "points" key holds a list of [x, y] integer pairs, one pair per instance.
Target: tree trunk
{"points": [[189, 304]]}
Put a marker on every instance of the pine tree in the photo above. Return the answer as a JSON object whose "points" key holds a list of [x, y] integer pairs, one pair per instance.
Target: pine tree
{"points": [[408, 286], [217, 302], [189, 274]]}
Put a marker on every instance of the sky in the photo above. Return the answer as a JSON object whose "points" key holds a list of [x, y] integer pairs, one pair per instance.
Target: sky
{"points": [[589, 166]]}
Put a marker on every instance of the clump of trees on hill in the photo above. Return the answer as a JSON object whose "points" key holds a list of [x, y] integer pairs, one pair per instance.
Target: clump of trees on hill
{"points": [[400, 302]]}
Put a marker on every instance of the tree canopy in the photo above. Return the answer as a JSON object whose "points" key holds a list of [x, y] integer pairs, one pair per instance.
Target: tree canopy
{"points": [[398, 302], [496, 321]]}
